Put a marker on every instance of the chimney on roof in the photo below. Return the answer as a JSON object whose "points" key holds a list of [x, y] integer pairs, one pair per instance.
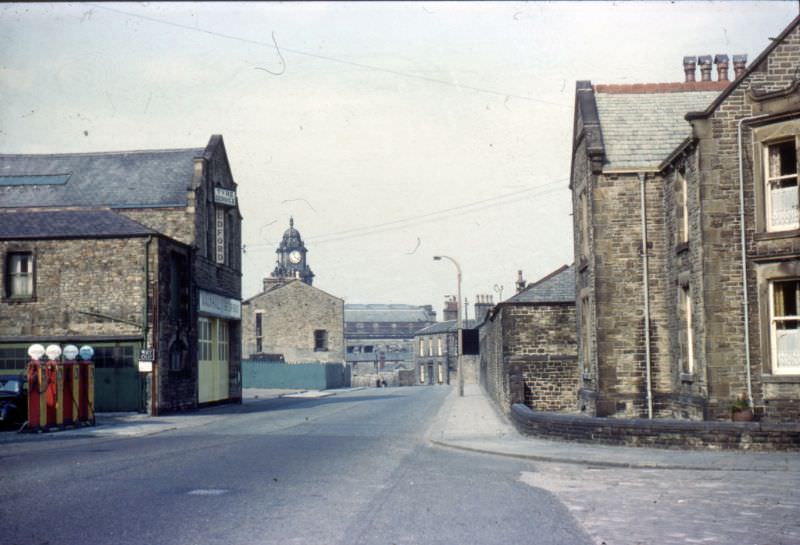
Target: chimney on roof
{"points": [[689, 65], [520, 282], [450, 309], [739, 64], [483, 303], [705, 67], [722, 67]]}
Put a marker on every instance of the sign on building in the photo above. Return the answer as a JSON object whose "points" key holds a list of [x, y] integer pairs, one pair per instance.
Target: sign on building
{"points": [[212, 304]]}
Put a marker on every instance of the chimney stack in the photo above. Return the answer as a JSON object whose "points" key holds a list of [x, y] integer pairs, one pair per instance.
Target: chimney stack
{"points": [[483, 303], [739, 65], [689, 65], [450, 309], [520, 282], [705, 67], [722, 67]]}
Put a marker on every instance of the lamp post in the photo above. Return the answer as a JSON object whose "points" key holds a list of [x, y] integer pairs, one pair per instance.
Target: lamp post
{"points": [[458, 322]]}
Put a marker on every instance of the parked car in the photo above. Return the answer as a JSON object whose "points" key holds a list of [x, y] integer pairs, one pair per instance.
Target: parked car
{"points": [[13, 400]]}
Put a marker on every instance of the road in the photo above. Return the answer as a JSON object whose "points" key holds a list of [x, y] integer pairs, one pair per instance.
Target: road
{"points": [[350, 469]]}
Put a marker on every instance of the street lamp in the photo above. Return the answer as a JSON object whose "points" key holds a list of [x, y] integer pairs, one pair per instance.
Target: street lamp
{"points": [[458, 322]]}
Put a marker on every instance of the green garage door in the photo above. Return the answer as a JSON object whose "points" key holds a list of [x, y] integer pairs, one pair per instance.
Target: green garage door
{"points": [[117, 385]]}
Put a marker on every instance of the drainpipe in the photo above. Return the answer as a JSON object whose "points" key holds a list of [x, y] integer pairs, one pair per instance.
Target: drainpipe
{"points": [[646, 297], [746, 306], [145, 328]]}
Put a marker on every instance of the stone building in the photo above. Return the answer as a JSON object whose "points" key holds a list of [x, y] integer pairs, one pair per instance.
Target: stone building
{"points": [[531, 337], [686, 234], [126, 251], [290, 320], [381, 337], [293, 322], [436, 354]]}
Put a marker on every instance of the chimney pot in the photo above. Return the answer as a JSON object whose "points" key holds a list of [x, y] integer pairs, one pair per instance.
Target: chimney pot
{"points": [[705, 67], [722, 67], [739, 65], [689, 65]]}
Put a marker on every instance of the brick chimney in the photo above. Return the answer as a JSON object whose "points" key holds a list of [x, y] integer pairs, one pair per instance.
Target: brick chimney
{"points": [[689, 66], [483, 303], [520, 282], [705, 67], [739, 65], [450, 308], [722, 67]]}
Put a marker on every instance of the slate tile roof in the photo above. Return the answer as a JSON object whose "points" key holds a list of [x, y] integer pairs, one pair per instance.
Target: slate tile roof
{"points": [[68, 224], [384, 313], [557, 287], [113, 179], [444, 327], [641, 126]]}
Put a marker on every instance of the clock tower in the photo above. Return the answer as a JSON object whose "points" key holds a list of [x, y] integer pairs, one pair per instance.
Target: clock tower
{"points": [[291, 261]]}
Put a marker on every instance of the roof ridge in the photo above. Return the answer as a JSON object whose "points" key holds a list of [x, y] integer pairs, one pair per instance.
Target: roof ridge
{"points": [[666, 87], [97, 153]]}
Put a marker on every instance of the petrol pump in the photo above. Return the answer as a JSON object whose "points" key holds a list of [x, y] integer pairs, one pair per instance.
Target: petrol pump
{"points": [[60, 393]]}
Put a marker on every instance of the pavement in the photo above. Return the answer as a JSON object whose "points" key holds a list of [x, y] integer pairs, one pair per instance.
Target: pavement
{"points": [[472, 423], [469, 423]]}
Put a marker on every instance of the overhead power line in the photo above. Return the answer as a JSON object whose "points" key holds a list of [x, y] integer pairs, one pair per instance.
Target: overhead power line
{"points": [[437, 215], [328, 58]]}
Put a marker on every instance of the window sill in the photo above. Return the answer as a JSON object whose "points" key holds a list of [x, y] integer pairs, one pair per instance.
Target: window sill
{"points": [[688, 378], [15, 300], [681, 248], [776, 235], [776, 379]]}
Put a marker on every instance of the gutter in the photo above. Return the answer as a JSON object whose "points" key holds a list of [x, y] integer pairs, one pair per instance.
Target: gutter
{"points": [[742, 240], [646, 297]]}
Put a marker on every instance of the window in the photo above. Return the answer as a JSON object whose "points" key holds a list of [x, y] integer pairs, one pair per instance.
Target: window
{"points": [[222, 340], [368, 349], [204, 339], [19, 275], [685, 335], [422, 374], [422, 347], [780, 177], [430, 347], [785, 326], [320, 340], [586, 333], [584, 230], [439, 346], [259, 332], [682, 198]]}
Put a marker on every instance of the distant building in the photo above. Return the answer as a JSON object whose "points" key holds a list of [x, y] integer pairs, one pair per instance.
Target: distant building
{"points": [[436, 354], [293, 322], [381, 337], [290, 320], [532, 337], [126, 251]]}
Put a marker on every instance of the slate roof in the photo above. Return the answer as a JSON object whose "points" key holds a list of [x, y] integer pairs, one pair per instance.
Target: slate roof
{"points": [[68, 224], [641, 129], [444, 327], [557, 287], [113, 179], [385, 313]]}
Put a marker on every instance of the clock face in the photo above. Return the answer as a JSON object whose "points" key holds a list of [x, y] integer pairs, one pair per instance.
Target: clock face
{"points": [[295, 257]]}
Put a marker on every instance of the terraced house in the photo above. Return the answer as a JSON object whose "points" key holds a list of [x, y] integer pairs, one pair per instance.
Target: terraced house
{"points": [[687, 240], [126, 251]]}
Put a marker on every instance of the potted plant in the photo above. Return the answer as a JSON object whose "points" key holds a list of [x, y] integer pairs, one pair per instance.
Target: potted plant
{"points": [[741, 411]]}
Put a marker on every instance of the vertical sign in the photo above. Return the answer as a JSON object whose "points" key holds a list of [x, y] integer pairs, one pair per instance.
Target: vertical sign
{"points": [[220, 236]]}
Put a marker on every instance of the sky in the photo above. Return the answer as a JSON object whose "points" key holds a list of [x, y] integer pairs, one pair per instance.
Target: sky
{"points": [[390, 132]]}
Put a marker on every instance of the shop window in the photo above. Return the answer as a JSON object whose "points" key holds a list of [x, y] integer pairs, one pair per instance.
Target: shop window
{"points": [[781, 194], [204, 339], [223, 345], [19, 275], [785, 326], [320, 340]]}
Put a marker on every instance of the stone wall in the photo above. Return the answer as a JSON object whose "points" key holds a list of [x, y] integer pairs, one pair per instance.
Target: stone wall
{"points": [[290, 315], [662, 433], [83, 289]]}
